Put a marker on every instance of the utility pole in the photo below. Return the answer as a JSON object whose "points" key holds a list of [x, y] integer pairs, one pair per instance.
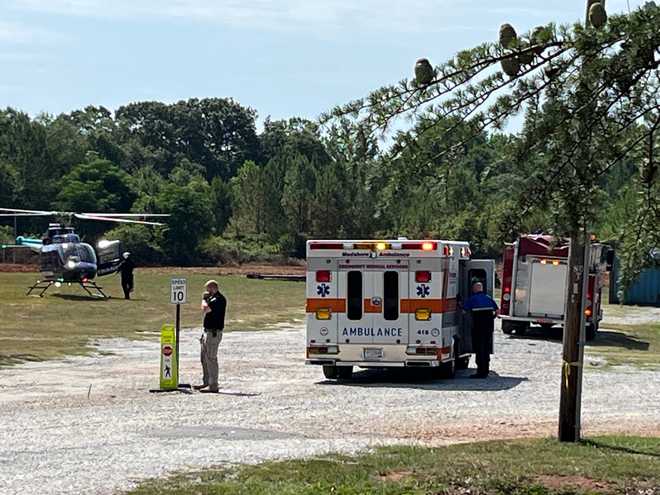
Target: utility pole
{"points": [[574, 322]]}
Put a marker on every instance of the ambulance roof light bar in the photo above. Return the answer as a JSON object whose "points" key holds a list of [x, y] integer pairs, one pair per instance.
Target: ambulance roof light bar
{"points": [[376, 245]]}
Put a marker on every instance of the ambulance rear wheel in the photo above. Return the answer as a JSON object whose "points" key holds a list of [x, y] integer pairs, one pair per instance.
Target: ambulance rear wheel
{"points": [[330, 371], [446, 370], [507, 327], [344, 372]]}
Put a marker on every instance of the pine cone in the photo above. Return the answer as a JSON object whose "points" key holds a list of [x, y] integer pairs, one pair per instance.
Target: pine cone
{"points": [[507, 35], [597, 15], [511, 66], [424, 72], [648, 172]]}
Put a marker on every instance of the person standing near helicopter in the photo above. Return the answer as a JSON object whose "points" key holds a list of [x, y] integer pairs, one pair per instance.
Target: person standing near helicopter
{"points": [[126, 272]]}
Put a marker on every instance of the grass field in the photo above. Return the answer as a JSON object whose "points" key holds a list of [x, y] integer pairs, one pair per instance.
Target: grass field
{"points": [[610, 465], [630, 345], [64, 322]]}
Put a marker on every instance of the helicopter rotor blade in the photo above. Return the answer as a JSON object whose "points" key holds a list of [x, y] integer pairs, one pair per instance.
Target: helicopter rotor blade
{"points": [[26, 215], [109, 215], [83, 216], [12, 211]]}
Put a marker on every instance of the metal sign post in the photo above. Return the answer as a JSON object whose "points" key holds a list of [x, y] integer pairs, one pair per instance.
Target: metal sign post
{"points": [[179, 296], [169, 378]]}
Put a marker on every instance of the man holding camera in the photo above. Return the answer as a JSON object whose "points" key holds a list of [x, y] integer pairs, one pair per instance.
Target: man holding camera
{"points": [[214, 306]]}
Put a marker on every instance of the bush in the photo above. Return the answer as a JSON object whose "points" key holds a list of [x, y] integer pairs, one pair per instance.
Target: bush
{"points": [[227, 250], [6, 235], [144, 243]]}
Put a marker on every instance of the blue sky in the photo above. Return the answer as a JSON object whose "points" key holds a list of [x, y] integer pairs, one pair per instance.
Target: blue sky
{"points": [[283, 58]]}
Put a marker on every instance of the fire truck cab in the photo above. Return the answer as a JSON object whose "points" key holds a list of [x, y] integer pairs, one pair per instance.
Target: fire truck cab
{"points": [[534, 284], [393, 303]]}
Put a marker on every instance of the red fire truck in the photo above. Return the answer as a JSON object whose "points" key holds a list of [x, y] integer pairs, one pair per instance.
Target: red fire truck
{"points": [[534, 284]]}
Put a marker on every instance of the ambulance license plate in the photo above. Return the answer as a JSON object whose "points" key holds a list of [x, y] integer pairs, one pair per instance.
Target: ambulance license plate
{"points": [[373, 354]]}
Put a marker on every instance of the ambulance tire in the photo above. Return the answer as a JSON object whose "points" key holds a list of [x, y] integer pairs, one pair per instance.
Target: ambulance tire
{"points": [[508, 327], [330, 371], [344, 372], [446, 370]]}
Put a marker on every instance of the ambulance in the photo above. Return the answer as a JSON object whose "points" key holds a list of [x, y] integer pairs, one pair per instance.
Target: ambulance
{"points": [[534, 284], [385, 304]]}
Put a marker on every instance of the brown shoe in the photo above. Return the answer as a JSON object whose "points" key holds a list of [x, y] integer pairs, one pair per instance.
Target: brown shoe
{"points": [[200, 387]]}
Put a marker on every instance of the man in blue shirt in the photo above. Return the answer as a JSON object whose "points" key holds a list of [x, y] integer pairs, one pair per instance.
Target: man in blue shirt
{"points": [[483, 310]]}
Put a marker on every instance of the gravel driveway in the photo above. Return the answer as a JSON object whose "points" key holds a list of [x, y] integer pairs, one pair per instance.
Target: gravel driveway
{"points": [[89, 425]]}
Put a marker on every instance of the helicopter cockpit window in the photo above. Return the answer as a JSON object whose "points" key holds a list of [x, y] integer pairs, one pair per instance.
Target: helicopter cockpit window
{"points": [[77, 253]]}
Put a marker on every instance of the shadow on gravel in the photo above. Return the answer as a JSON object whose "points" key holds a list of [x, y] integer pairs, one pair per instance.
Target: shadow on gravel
{"points": [[539, 333], [418, 379], [604, 338]]}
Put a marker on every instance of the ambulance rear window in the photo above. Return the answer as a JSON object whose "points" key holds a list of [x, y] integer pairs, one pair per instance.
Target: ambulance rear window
{"points": [[391, 295], [354, 295]]}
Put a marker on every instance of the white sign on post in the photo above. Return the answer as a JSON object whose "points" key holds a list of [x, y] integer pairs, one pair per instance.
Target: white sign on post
{"points": [[179, 291]]}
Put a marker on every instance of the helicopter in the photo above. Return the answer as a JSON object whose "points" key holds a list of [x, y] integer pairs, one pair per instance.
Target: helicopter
{"points": [[65, 259]]}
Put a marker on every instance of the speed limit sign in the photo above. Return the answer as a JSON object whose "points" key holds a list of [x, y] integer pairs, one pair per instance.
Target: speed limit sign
{"points": [[179, 291]]}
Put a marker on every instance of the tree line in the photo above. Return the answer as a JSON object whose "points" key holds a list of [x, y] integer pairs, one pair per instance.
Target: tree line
{"points": [[236, 194]]}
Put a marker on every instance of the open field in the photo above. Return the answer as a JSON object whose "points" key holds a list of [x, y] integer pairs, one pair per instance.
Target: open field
{"points": [[65, 322], [608, 465]]}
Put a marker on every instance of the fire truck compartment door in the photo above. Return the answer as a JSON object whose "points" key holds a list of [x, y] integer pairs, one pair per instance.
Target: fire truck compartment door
{"points": [[473, 271], [547, 289]]}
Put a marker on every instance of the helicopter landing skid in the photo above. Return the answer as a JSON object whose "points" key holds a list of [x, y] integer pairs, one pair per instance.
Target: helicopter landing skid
{"points": [[90, 287]]}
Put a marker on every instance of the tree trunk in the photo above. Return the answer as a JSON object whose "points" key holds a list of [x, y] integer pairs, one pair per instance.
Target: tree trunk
{"points": [[569, 407]]}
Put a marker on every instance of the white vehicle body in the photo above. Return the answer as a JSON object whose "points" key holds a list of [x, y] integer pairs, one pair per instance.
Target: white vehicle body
{"points": [[389, 303]]}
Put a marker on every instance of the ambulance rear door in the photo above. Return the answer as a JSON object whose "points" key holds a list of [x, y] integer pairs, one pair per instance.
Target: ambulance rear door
{"points": [[472, 271], [355, 324], [388, 286]]}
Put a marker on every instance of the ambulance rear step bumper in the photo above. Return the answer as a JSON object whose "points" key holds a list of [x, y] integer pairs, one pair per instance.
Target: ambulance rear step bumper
{"points": [[376, 364]]}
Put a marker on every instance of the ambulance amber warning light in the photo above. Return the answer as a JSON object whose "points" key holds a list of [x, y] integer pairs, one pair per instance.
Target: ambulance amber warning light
{"points": [[323, 314], [428, 246], [423, 314]]}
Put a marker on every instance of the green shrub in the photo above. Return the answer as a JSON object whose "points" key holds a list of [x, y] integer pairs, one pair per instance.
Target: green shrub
{"points": [[230, 250], [6, 235]]}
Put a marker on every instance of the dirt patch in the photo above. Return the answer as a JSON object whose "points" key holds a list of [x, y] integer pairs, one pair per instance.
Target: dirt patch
{"points": [[394, 476], [266, 269], [555, 482], [292, 269], [17, 268]]}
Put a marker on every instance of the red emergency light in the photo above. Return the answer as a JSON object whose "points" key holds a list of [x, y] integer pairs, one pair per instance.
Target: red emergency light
{"points": [[323, 276], [422, 277]]}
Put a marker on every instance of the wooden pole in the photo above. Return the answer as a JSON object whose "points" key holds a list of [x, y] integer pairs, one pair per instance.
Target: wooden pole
{"points": [[570, 406]]}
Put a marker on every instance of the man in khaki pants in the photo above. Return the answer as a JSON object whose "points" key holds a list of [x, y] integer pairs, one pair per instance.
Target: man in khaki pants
{"points": [[214, 306]]}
